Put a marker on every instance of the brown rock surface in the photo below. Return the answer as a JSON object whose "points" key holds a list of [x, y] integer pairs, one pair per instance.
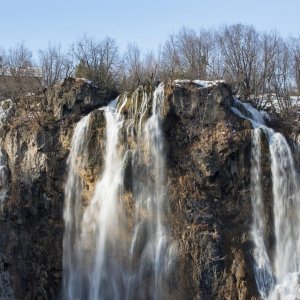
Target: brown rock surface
{"points": [[208, 168]]}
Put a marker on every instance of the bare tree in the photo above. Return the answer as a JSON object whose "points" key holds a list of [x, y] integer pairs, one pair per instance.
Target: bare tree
{"points": [[261, 67], [133, 65], [265, 69], [55, 64], [139, 68], [150, 65], [170, 60], [295, 57], [19, 75], [215, 68], [2, 59], [97, 61], [19, 57], [239, 46], [281, 82], [187, 54], [194, 51]]}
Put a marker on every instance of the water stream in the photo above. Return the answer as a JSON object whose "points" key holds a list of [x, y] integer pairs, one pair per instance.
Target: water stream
{"points": [[3, 177], [279, 280], [262, 267], [108, 254]]}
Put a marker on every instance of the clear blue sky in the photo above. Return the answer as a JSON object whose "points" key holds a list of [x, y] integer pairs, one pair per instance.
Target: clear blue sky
{"points": [[147, 23]]}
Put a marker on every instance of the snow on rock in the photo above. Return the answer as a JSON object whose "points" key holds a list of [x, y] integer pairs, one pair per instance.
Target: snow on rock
{"points": [[85, 80], [79, 80], [295, 100], [272, 101], [206, 84], [200, 83]]}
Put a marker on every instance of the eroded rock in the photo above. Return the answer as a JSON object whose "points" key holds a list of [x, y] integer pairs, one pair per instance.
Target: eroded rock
{"points": [[208, 169]]}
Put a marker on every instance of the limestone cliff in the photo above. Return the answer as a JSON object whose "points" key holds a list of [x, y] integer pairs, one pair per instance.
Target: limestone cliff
{"points": [[208, 152]]}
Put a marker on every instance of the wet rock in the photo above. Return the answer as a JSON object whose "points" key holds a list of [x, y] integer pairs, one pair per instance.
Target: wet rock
{"points": [[208, 152], [31, 222], [76, 96], [209, 169]]}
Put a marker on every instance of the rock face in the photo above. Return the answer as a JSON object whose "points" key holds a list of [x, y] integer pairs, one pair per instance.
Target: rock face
{"points": [[208, 168], [31, 220], [76, 96], [209, 163]]}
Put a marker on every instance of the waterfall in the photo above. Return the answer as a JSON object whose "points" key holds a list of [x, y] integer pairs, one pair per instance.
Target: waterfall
{"points": [[262, 267], [100, 224], [286, 220], [155, 257], [284, 284], [3, 178], [72, 212], [109, 254], [4, 114]]}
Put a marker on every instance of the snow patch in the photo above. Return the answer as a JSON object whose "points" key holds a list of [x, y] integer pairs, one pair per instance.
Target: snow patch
{"points": [[85, 80], [200, 83], [272, 101]]}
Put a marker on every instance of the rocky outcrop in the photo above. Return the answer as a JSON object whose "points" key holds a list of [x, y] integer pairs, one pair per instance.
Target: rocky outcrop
{"points": [[208, 168], [31, 225], [209, 161], [31, 221], [76, 95]]}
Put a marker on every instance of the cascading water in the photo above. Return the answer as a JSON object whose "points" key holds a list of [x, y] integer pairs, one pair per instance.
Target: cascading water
{"points": [[280, 281], [286, 191], [107, 256], [262, 267], [155, 259], [100, 225], [3, 178], [4, 114], [72, 212]]}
